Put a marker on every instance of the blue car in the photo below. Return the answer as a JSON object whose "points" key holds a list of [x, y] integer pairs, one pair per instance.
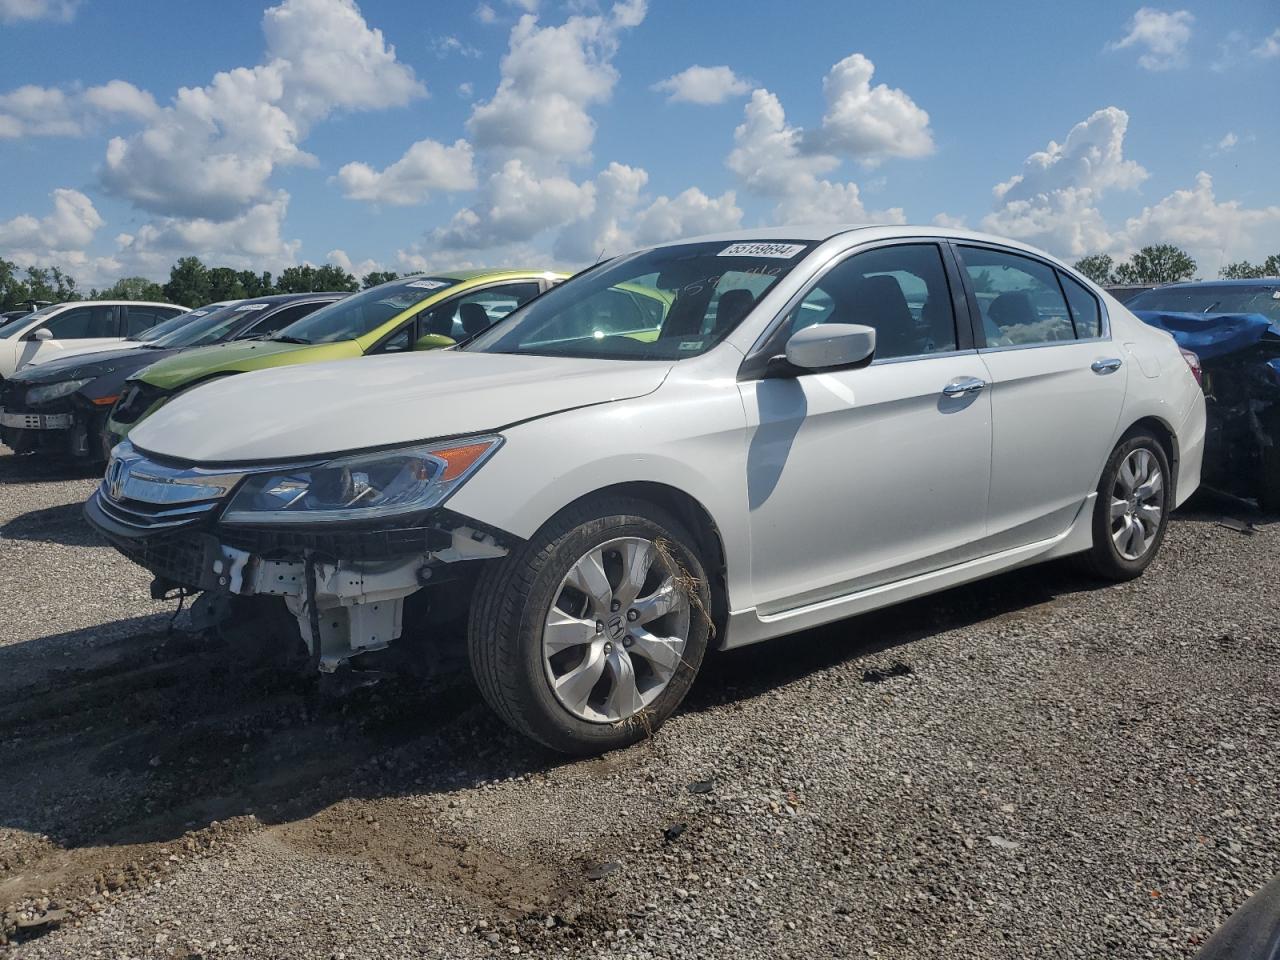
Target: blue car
{"points": [[1233, 326]]}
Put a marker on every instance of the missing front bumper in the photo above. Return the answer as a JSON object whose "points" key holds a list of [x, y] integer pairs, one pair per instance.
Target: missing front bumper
{"points": [[345, 603]]}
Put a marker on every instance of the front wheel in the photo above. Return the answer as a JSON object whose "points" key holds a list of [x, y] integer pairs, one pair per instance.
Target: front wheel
{"points": [[1132, 510], [587, 637]]}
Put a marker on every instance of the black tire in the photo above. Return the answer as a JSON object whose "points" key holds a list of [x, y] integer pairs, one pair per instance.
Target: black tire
{"points": [[1269, 482], [100, 442], [513, 596], [1104, 560]]}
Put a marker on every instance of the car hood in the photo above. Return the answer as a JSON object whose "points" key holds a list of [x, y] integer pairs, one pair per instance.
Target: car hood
{"points": [[302, 412], [89, 366], [85, 351], [235, 357]]}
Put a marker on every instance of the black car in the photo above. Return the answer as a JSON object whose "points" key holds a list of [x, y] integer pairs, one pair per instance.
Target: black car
{"points": [[62, 405]]}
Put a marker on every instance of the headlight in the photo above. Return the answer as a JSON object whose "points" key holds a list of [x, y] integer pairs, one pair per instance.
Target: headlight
{"points": [[367, 486], [54, 391]]}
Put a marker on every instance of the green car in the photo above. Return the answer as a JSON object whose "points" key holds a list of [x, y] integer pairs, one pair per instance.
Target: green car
{"points": [[412, 313]]}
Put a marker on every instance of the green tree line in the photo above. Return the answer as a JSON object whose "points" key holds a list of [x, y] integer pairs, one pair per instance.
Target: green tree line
{"points": [[1165, 263], [191, 283]]}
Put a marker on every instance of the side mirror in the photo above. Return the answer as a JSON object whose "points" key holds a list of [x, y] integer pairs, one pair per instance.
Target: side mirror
{"points": [[828, 346], [43, 333], [433, 341]]}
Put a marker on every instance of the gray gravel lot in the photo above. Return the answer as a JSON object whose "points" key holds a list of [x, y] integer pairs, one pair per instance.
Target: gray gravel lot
{"points": [[1031, 766]]}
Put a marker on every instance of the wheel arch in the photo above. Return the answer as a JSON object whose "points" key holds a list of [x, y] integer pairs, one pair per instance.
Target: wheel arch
{"points": [[1167, 439], [697, 518]]}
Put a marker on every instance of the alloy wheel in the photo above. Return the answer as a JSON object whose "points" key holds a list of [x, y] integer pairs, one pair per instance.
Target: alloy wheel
{"points": [[616, 632], [1137, 504]]}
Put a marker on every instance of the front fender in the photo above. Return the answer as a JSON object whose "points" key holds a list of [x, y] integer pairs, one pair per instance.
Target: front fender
{"points": [[690, 437]]}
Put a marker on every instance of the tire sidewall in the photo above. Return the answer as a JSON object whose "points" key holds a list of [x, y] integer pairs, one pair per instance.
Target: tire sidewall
{"points": [[555, 725], [1104, 546]]}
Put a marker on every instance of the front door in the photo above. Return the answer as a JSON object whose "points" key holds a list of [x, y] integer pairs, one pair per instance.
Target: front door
{"points": [[860, 477], [77, 327]]}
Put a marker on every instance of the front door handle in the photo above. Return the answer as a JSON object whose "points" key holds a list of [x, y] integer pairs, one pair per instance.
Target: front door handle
{"points": [[1110, 365], [963, 387]]}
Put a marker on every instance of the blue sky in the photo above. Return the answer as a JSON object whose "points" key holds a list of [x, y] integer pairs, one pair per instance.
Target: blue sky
{"points": [[396, 136]]}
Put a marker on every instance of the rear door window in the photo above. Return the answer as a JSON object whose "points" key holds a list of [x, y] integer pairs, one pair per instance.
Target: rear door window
{"points": [[281, 319], [138, 319], [1019, 298], [1085, 310]]}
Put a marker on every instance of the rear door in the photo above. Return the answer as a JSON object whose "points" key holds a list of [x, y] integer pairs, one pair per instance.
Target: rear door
{"points": [[1057, 388]]}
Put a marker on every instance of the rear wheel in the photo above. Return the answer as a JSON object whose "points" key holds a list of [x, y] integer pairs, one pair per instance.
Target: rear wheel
{"points": [[1132, 509], [1269, 489], [588, 636]]}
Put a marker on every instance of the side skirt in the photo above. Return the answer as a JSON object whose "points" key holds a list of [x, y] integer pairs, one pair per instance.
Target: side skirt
{"points": [[748, 626]]}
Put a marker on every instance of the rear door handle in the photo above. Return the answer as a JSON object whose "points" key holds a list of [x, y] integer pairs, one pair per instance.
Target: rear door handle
{"points": [[1110, 365], [963, 387]]}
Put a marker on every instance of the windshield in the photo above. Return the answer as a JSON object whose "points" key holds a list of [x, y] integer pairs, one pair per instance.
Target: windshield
{"points": [[210, 326], [13, 326], [168, 326], [362, 312], [663, 304], [1211, 299]]}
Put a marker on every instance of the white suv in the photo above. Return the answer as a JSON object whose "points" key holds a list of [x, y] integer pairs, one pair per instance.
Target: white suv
{"points": [[94, 324], [772, 430]]}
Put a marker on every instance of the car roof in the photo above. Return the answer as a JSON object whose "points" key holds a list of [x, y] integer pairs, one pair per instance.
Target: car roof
{"points": [[1254, 282], [274, 298], [117, 303], [461, 275], [816, 233]]}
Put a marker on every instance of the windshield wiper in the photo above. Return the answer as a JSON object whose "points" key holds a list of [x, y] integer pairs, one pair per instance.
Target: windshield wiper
{"points": [[289, 340]]}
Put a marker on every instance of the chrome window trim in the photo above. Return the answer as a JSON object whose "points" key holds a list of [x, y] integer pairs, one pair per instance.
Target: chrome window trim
{"points": [[971, 351]]}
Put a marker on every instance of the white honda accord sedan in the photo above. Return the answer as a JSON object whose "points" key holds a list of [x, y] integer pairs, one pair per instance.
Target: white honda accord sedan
{"points": [[720, 440]]}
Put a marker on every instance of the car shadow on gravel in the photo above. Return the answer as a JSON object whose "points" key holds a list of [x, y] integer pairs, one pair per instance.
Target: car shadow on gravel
{"points": [[162, 733], [34, 468], [63, 524], [748, 672]]}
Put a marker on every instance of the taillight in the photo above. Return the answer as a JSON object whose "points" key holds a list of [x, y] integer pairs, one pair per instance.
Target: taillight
{"points": [[1193, 362]]}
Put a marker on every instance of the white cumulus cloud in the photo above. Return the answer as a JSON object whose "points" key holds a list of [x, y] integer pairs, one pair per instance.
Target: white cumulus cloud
{"points": [[869, 123], [1052, 201], [11, 11], [210, 154], [516, 204], [550, 76], [72, 224], [1214, 232], [426, 166], [703, 85], [252, 240], [769, 160], [1161, 35], [35, 111]]}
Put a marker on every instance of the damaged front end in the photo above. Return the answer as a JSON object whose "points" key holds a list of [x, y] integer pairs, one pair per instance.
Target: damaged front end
{"points": [[1240, 358], [343, 542]]}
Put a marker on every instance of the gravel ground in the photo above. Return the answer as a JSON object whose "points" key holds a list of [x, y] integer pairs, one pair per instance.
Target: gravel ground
{"points": [[1029, 766]]}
